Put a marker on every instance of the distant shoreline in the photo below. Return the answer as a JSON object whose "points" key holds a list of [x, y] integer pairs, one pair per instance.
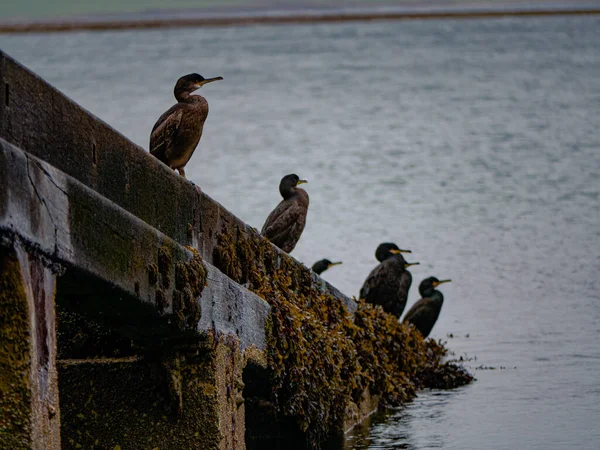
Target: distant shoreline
{"points": [[268, 19]]}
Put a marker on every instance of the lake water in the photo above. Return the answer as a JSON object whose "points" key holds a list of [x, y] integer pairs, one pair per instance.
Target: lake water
{"points": [[475, 143]]}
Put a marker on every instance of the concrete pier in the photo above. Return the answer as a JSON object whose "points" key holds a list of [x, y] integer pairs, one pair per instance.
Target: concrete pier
{"points": [[82, 202], [172, 320], [138, 313]]}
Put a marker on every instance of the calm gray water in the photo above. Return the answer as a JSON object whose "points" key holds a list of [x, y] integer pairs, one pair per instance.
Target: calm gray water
{"points": [[473, 143]]}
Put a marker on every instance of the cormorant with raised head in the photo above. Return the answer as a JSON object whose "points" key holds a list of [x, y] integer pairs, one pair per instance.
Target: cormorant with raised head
{"points": [[321, 266], [388, 283], [425, 312], [285, 224], [177, 132]]}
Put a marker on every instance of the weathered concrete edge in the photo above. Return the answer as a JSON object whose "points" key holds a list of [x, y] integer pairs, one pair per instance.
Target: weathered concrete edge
{"points": [[29, 405], [39, 119], [230, 308], [44, 207], [45, 123]]}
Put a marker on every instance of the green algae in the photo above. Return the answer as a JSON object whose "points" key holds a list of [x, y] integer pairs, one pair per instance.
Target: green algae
{"points": [[184, 395], [322, 359], [15, 421], [131, 404]]}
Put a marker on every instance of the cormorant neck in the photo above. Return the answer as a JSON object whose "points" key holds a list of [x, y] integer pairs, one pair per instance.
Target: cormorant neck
{"points": [[432, 293], [398, 258], [384, 255], [288, 192], [182, 95]]}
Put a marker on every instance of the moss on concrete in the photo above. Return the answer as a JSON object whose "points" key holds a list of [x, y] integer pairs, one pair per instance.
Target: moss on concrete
{"points": [[165, 263], [321, 359], [229, 386], [84, 217], [127, 403], [187, 400], [190, 280], [152, 274], [14, 356]]}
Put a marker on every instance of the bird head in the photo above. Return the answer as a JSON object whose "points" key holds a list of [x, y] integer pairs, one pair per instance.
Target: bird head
{"points": [[288, 183], [428, 285], [321, 266], [191, 82], [387, 250]]}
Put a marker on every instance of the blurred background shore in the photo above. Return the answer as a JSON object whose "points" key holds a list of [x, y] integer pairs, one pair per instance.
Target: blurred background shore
{"points": [[69, 15]]}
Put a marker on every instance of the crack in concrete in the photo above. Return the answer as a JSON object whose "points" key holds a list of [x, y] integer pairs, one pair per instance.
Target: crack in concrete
{"points": [[43, 201], [39, 166]]}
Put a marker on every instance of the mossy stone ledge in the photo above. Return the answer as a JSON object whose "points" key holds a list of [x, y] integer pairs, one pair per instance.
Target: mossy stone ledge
{"points": [[322, 359]]}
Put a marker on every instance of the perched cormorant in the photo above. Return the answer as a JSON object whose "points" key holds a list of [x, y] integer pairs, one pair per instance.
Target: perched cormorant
{"points": [[177, 132], [426, 311], [321, 266], [388, 283], [285, 224]]}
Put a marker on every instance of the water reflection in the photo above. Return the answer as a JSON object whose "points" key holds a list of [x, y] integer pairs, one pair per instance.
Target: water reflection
{"points": [[402, 428]]}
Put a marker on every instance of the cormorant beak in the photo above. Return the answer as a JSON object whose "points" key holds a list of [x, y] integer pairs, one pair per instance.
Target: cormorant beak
{"points": [[301, 182], [437, 283], [334, 264], [396, 252], [411, 264], [206, 81]]}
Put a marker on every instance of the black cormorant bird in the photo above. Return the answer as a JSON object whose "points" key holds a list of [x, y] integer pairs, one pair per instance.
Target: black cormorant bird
{"points": [[426, 311], [177, 132], [285, 224], [388, 283], [321, 266]]}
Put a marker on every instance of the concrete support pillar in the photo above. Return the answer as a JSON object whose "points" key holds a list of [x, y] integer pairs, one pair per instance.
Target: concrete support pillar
{"points": [[29, 411], [188, 399]]}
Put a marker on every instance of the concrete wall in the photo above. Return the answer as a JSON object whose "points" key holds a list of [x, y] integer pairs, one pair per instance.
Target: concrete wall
{"points": [[29, 410], [87, 201], [150, 338], [43, 122], [140, 299]]}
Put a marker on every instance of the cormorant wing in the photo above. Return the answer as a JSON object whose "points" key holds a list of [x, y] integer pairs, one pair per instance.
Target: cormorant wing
{"points": [[405, 281], [164, 116], [377, 285], [422, 314], [282, 220], [164, 131]]}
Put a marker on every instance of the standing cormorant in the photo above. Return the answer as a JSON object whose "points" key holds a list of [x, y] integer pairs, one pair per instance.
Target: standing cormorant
{"points": [[426, 311], [321, 266], [388, 283], [285, 224], [177, 132]]}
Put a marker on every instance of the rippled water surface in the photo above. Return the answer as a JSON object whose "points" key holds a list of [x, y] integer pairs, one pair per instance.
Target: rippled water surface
{"points": [[473, 143]]}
